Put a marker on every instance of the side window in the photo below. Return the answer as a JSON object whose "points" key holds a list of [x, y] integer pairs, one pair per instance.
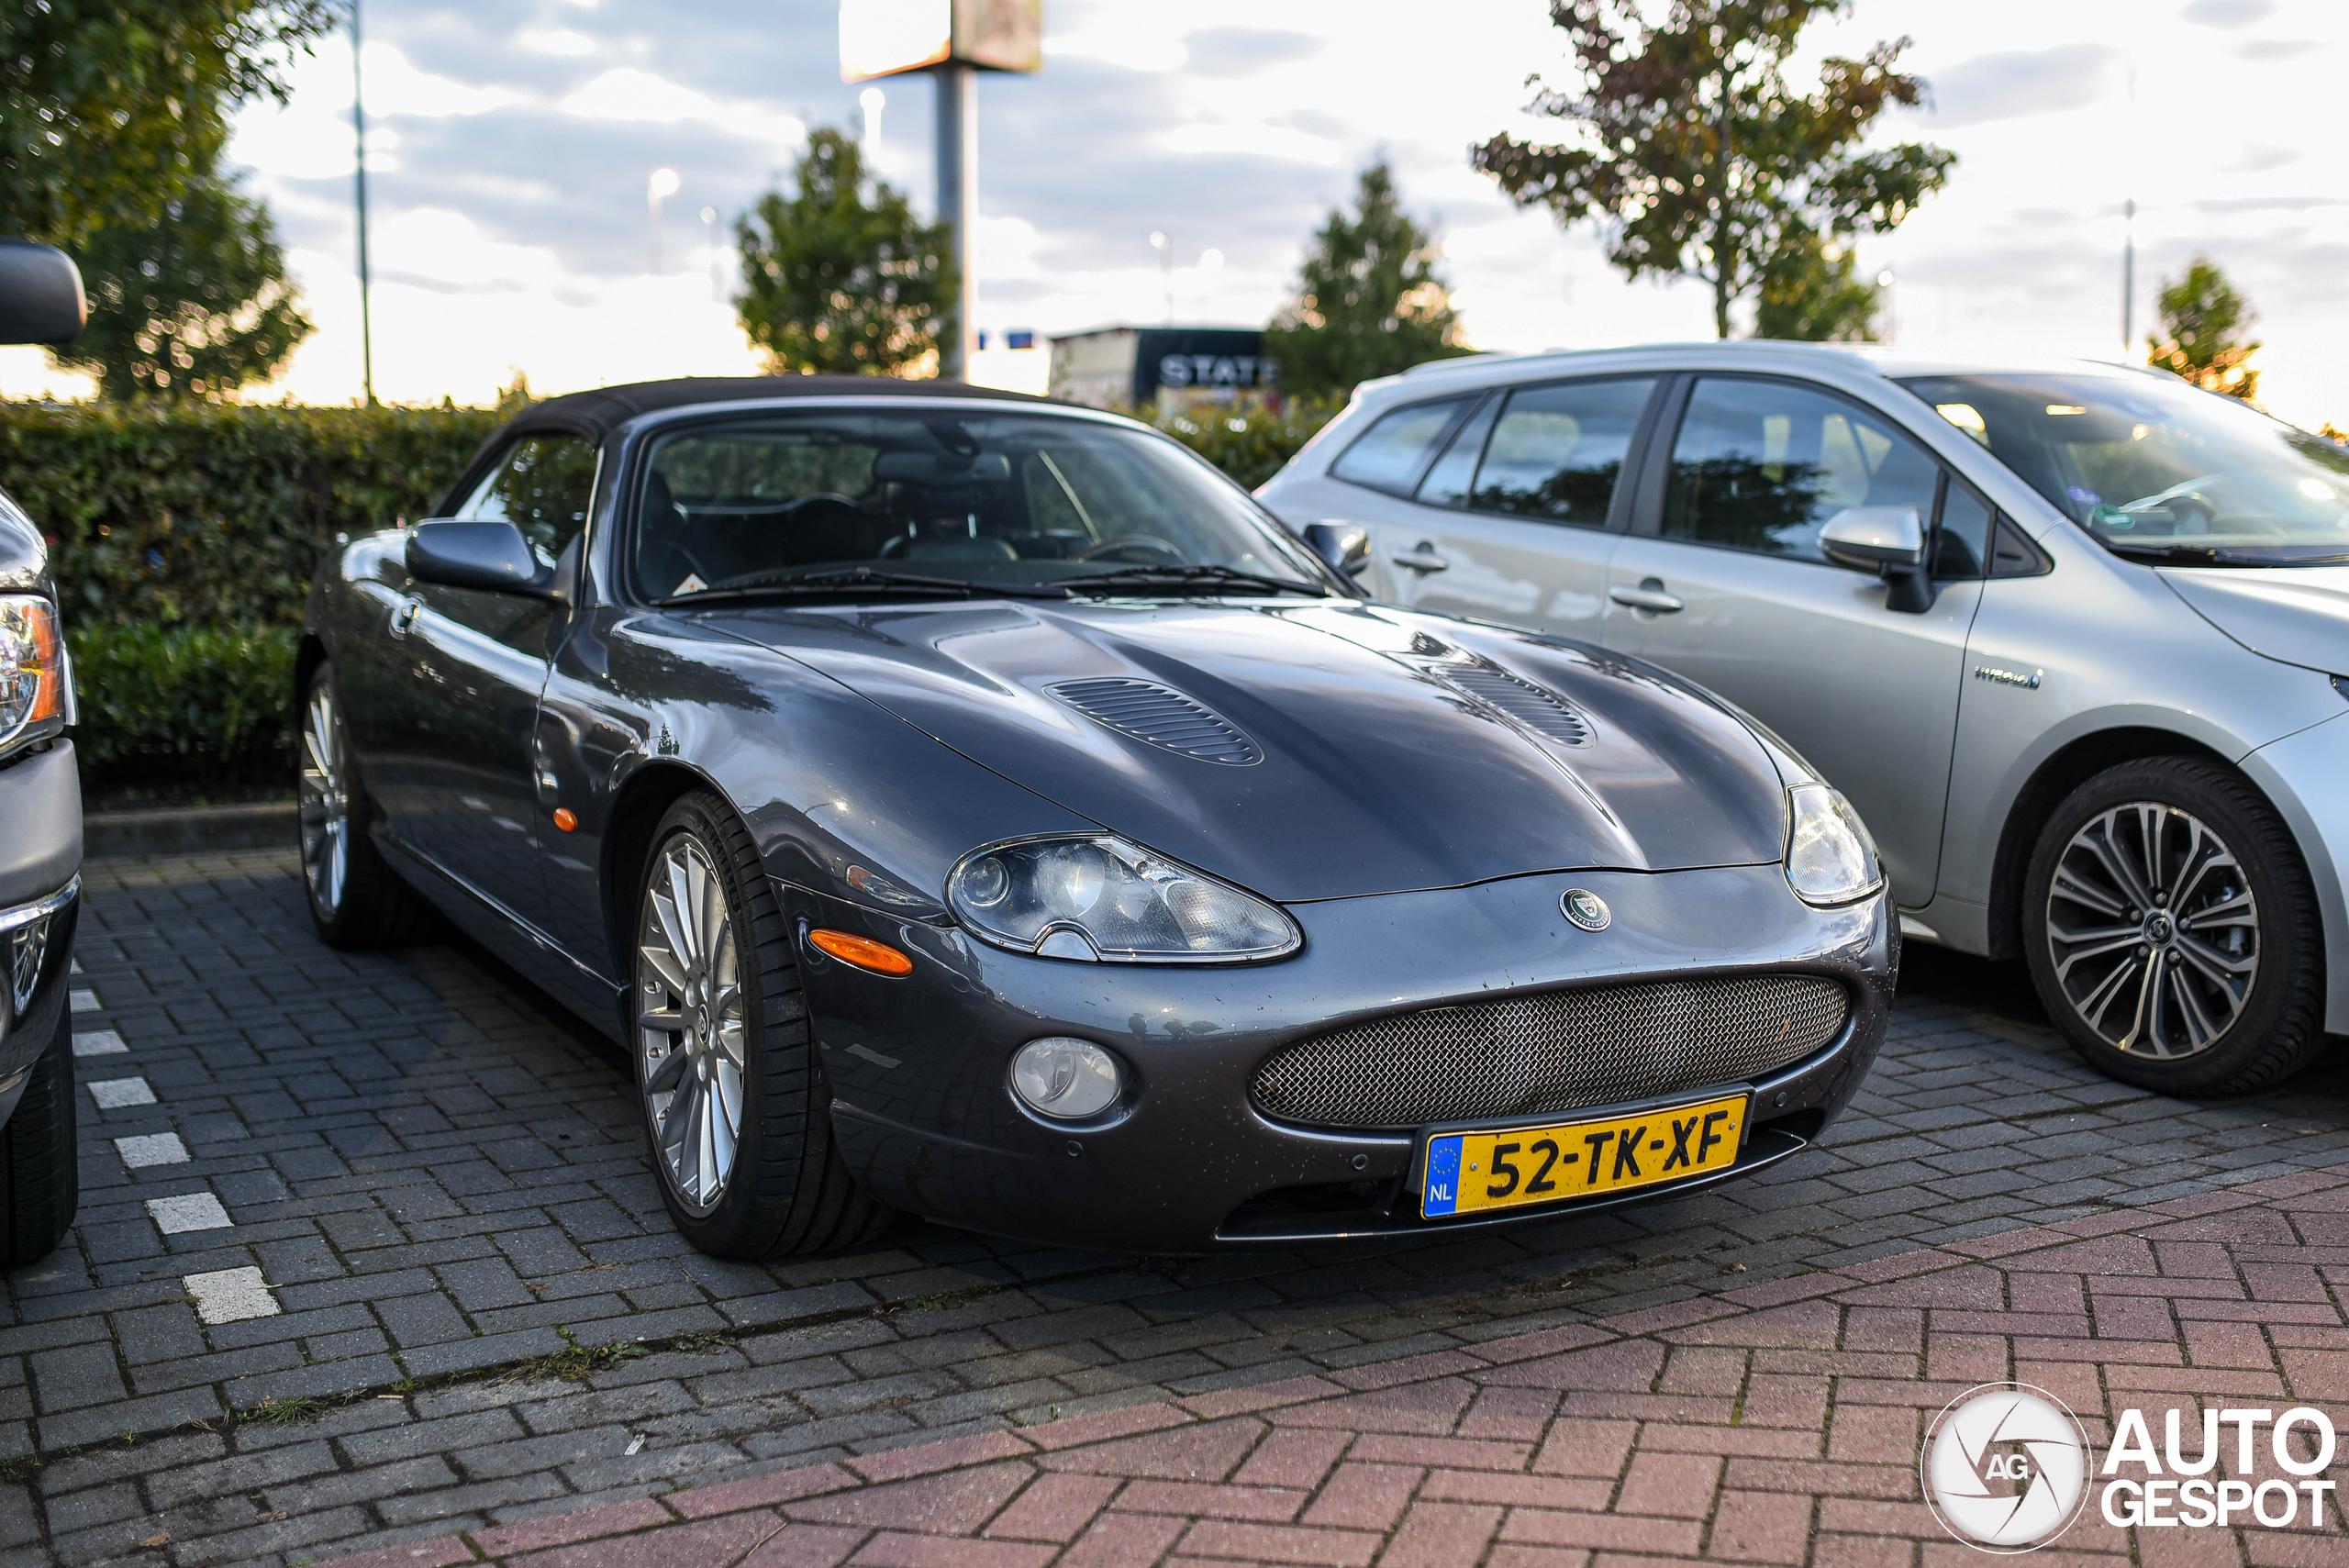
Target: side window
{"points": [[1762, 465], [1557, 452], [542, 486], [1447, 482], [1390, 455], [1962, 545]]}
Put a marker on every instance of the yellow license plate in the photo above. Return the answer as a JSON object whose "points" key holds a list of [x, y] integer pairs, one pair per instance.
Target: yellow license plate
{"points": [[1468, 1172]]}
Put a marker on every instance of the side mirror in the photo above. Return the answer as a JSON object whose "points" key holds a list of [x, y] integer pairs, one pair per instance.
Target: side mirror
{"points": [[476, 555], [1888, 541], [1344, 546], [40, 294]]}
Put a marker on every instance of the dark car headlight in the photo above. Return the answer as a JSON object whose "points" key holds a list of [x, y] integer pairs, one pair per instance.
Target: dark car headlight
{"points": [[1101, 897], [1829, 857], [32, 672]]}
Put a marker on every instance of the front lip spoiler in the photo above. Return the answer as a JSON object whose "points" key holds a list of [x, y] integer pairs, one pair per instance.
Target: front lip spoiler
{"points": [[1768, 1146]]}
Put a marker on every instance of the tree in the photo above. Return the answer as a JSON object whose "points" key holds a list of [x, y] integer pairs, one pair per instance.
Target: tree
{"points": [[1368, 300], [195, 303], [111, 108], [2201, 315], [1809, 294], [833, 280], [1697, 153]]}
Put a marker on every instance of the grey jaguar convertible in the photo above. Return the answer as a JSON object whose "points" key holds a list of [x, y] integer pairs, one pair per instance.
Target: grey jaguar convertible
{"points": [[966, 804]]}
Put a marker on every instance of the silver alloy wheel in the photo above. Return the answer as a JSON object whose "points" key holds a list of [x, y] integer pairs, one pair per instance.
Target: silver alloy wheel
{"points": [[326, 803], [690, 1029], [2152, 930]]}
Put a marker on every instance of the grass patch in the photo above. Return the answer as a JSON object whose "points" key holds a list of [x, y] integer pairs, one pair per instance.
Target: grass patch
{"points": [[289, 1411], [575, 1362]]}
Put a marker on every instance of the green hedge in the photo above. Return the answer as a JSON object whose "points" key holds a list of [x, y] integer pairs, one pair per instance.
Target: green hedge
{"points": [[181, 708], [1250, 443], [214, 514]]}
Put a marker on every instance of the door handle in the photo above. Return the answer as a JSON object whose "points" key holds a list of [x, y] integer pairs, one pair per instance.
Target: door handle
{"points": [[1648, 596], [1421, 558], [404, 617]]}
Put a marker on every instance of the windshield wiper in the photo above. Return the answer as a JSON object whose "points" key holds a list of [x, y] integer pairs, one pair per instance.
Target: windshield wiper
{"points": [[852, 579], [2177, 554], [1181, 577]]}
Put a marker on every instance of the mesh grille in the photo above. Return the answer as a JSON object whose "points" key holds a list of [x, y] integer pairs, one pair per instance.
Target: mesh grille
{"points": [[1159, 717], [1542, 712], [1556, 1052]]}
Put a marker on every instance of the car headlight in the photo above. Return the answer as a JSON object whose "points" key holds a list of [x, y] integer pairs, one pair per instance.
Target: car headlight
{"points": [[32, 670], [1100, 897], [1829, 857]]}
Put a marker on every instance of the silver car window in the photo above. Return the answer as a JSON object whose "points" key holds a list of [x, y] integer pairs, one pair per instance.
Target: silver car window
{"points": [[1557, 452], [1762, 465], [1390, 455]]}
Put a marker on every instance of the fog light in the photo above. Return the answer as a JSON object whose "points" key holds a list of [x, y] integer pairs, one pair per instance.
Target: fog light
{"points": [[1067, 1080]]}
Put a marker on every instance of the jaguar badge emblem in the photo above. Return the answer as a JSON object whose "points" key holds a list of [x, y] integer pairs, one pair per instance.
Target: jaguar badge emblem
{"points": [[1585, 908]]}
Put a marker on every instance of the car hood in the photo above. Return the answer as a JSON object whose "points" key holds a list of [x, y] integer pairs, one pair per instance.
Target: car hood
{"points": [[1366, 748], [2297, 614]]}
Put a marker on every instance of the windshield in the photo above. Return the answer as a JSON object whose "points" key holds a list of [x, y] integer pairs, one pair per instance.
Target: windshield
{"points": [[2158, 470], [915, 500]]}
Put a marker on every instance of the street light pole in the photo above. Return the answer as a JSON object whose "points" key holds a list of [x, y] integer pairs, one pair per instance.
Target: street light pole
{"points": [[958, 204], [662, 182], [359, 137], [2129, 278]]}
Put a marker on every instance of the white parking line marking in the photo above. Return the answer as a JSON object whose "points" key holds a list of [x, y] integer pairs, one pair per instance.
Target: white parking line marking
{"points": [[231, 1295], [98, 1042], [113, 1094], [151, 1149], [74, 966], [189, 1211], [87, 1002]]}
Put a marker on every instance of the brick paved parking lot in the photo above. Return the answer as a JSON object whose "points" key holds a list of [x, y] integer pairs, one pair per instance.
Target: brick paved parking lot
{"points": [[369, 1258]]}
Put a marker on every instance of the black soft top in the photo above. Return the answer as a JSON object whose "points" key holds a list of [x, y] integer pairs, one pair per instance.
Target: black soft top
{"points": [[597, 413]]}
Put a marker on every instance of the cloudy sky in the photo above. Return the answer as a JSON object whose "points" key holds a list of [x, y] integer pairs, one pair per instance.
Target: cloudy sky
{"points": [[511, 142]]}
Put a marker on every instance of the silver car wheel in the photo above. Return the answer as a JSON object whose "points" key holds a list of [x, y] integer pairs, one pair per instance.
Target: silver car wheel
{"points": [[691, 1042], [325, 803], [2152, 930]]}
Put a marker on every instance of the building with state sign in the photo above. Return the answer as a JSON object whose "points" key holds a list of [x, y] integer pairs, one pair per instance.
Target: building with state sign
{"points": [[1161, 369]]}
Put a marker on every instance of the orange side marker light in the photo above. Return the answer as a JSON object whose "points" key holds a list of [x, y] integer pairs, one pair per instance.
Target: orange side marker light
{"points": [[564, 819], [861, 951]]}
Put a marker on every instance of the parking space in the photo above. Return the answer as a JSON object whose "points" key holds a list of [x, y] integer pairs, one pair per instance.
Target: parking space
{"points": [[368, 1248]]}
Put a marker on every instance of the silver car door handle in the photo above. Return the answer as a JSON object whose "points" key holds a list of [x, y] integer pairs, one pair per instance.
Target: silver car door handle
{"points": [[1424, 559], [404, 617], [1645, 598]]}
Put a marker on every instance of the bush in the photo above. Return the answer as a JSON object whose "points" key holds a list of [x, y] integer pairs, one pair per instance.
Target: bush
{"points": [[208, 513], [1251, 442], [183, 706]]}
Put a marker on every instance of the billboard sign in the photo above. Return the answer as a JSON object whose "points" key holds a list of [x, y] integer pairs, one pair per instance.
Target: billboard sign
{"points": [[886, 37]]}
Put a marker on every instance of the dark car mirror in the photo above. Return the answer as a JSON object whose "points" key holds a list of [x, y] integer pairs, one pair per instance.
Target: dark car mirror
{"points": [[40, 294], [476, 555], [1344, 546]]}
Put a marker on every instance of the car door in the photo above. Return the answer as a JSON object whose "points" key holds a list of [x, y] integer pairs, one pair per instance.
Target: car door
{"points": [[1514, 516], [460, 788], [1724, 583]]}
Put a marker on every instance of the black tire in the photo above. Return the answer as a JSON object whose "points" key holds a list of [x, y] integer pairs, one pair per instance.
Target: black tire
{"points": [[2222, 992], [40, 1180], [786, 1192], [367, 905]]}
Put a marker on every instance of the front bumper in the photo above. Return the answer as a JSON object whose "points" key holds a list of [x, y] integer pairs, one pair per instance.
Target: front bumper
{"points": [[40, 902], [919, 1067]]}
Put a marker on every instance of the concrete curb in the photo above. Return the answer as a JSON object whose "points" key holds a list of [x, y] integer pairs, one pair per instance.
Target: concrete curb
{"points": [[263, 824]]}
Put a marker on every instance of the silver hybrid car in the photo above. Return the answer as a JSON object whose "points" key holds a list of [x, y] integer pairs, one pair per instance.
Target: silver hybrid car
{"points": [[2071, 637]]}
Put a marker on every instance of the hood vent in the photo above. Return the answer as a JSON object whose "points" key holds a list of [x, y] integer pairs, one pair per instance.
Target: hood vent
{"points": [[1157, 717], [1539, 710]]}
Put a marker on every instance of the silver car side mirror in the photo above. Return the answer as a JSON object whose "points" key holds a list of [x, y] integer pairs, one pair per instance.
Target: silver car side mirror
{"points": [[1888, 541], [491, 555], [1344, 546]]}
